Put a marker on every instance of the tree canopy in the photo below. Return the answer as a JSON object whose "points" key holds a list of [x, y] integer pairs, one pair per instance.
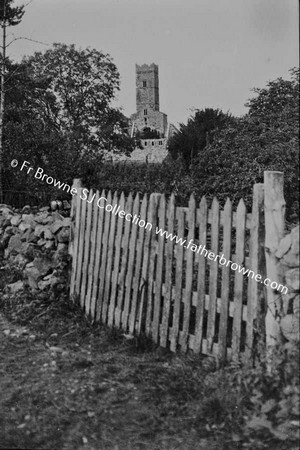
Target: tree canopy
{"points": [[266, 138], [192, 138], [10, 15], [59, 113], [78, 87]]}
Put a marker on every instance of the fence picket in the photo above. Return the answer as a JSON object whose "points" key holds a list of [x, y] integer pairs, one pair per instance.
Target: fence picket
{"points": [[117, 259], [98, 259], [168, 277], [201, 276], [93, 251], [213, 276], [131, 261], [159, 269], [136, 297], [110, 253], [180, 216], [125, 247], [238, 279], [75, 233], [188, 274], [87, 244], [152, 255], [81, 250], [143, 288], [226, 252], [107, 219]]}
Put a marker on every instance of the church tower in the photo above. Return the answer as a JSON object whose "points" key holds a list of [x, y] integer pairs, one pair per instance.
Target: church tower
{"points": [[148, 125], [147, 88], [148, 115]]}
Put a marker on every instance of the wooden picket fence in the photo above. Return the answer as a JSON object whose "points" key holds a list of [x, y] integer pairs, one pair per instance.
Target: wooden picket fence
{"points": [[126, 275]]}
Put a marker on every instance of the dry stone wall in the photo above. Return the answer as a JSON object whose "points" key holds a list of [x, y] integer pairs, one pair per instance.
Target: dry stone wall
{"points": [[34, 243], [288, 256]]}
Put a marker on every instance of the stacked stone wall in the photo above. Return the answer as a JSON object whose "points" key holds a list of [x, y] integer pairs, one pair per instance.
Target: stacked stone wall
{"points": [[34, 243], [288, 258]]}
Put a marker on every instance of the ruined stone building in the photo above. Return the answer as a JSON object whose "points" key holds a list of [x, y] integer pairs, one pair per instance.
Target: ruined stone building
{"points": [[148, 125]]}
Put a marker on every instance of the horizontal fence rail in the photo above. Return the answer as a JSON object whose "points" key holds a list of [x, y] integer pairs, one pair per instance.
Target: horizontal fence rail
{"points": [[126, 275]]}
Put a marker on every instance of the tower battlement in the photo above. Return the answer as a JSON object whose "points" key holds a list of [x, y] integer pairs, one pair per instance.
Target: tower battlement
{"points": [[151, 66]]}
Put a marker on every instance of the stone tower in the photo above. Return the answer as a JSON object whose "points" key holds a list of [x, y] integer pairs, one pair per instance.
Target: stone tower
{"points": [[147, 101], [147, 88], [148, 125]]}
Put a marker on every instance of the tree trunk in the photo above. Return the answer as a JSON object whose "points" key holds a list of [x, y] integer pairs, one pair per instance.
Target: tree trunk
{"points": [[2, 93]]}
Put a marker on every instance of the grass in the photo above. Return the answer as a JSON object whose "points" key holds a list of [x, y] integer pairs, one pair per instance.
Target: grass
{"points": [[68, 384]]}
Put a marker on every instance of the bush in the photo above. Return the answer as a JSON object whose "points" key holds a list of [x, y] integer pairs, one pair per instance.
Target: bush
{"points": [[257, 407], [273, 395]]}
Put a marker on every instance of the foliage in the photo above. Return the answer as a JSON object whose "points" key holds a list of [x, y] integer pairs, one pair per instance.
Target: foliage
{"points": [[267, 138], [259, 404], [59, 115], [144, 178], [30, 138], [193, 137], [275, 101], [274, 398], [79, 86], [10, 15]]}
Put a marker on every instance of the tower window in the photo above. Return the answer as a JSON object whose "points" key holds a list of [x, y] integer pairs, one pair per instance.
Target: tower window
{"points": [[145, 112], [145, 120], [144, 83]]}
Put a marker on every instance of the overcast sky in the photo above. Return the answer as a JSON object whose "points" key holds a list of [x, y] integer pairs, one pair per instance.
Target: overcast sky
{"points": [[210, 52]]}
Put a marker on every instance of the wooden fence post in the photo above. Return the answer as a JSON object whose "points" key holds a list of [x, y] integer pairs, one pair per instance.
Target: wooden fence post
{"points": [[274, 230], [74, 231]]}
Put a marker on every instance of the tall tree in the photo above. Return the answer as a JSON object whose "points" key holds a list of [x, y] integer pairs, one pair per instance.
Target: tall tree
{"points": [[58, 115], [79, 85], [10, 16], [266, 138], [193, 137], [27, 135]]}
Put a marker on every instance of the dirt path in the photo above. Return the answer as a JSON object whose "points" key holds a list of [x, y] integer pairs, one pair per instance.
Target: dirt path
{"points": [[94, 391]]}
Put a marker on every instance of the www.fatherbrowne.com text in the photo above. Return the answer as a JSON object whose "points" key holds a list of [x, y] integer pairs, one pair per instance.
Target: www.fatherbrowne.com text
{"points": [[201, 249]]}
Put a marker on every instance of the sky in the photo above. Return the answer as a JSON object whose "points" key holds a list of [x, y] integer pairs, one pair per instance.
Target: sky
{"points": [[210, 53]]}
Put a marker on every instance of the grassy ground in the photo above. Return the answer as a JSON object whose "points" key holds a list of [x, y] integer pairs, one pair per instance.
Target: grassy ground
{"points": [[66, 384]]}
